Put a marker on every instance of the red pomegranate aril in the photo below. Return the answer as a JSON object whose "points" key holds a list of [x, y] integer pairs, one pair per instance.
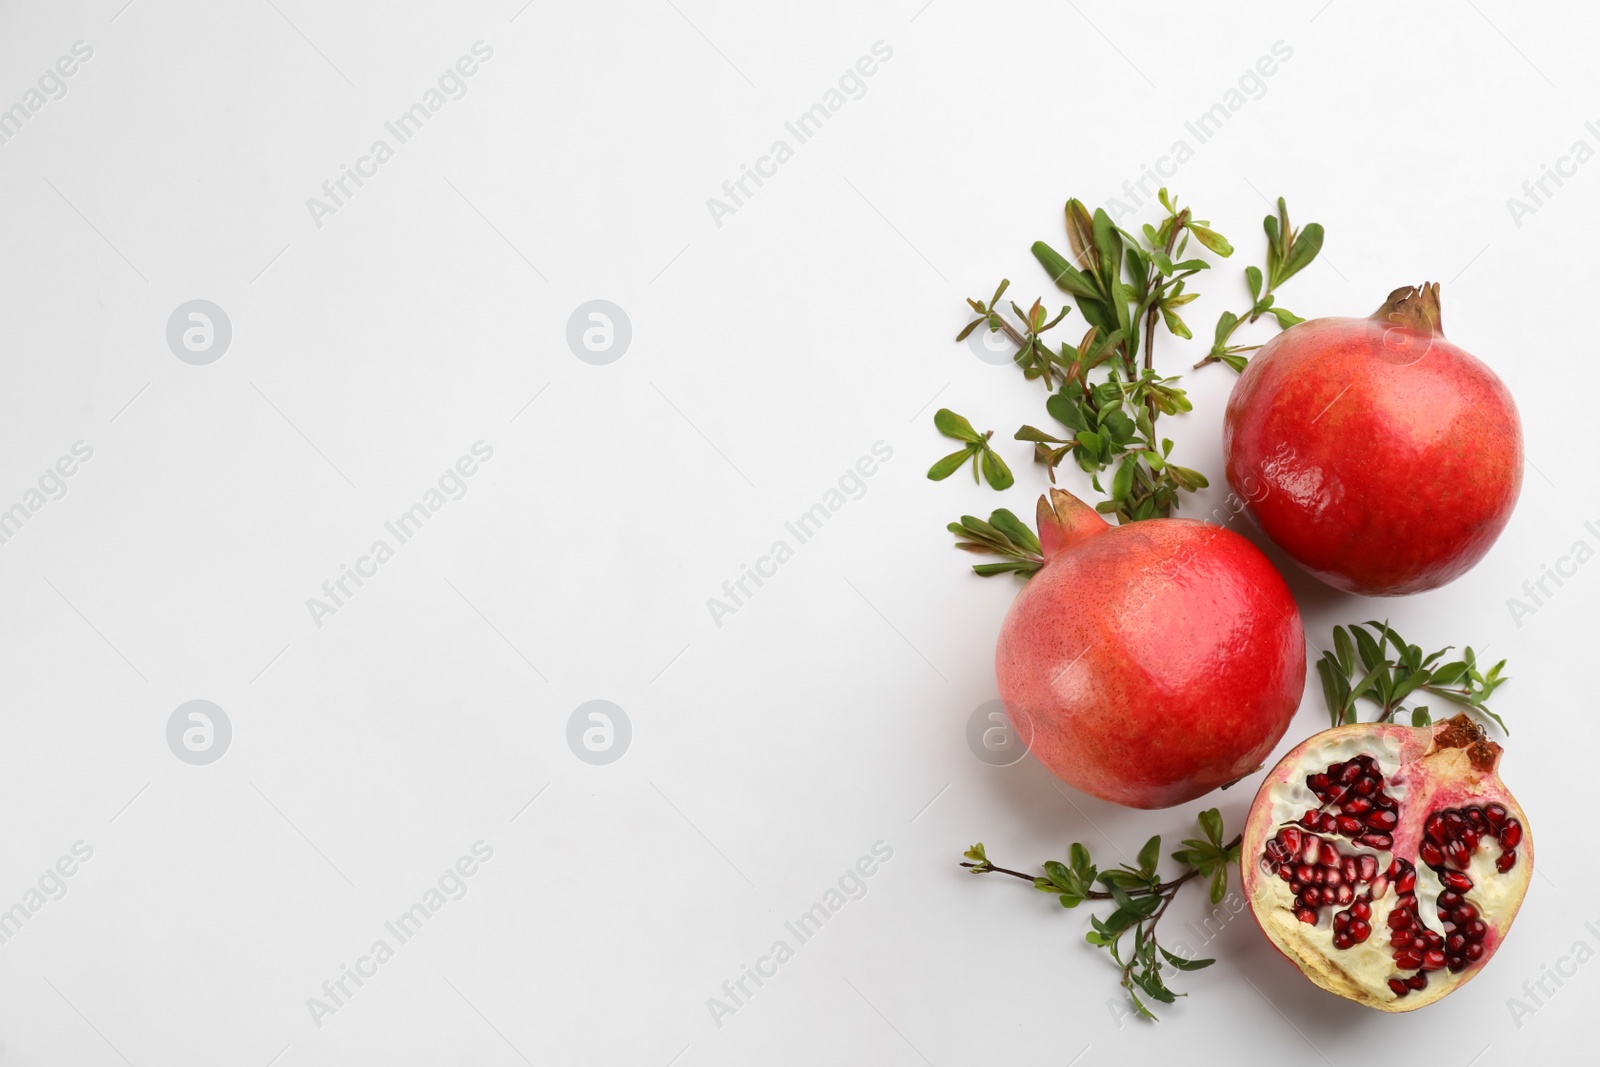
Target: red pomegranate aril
{"points": [[1350, 868], [1318, 784], [1367, 867], [1511, 834], [1507, 860], [1357, 805], [1345, 893], [1464, 914], [1495, 815], [1311, 896], [1434, 828], [1433, 961], [1430, 854], [1376, 840], [1349, 773], [1475, 951], [1361, 910], [1360, 929], [1449, 899], [1418, 981], [1365, 787], [1407, 881], [1408, 959], [1399, 920], [1306, 915], [1383, 820], [1456, 880], [1311, 847], [1348, 825], [1454, 823], [1456, 852], [1289, 837], [1333, 878], [1398, 987], [1343, 940], [1455, 943]]}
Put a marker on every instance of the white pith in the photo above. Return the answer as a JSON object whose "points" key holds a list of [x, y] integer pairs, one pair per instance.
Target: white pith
{"points": [[1370, 964]]}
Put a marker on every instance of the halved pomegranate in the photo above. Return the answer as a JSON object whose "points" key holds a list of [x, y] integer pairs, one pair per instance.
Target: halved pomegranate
{"points": [[1386, 861]]}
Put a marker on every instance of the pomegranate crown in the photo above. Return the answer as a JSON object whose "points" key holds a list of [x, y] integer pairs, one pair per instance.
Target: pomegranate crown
{"points": [[1065, 522], [1415, 307]]}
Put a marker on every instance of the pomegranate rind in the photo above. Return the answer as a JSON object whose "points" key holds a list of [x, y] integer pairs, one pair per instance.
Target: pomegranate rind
{"points": [[1447, 765]]}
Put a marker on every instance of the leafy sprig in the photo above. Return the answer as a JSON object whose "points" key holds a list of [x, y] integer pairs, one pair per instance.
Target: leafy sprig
{"points": [[1289, 251], [977, 449], [1003, 535], [1141, 897], [1394, 672], [1123, 286]]}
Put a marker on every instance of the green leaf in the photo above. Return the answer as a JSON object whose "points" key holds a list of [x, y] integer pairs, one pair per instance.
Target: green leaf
{"points": [[1066, 277], [1346, 651], [1211, 239], [1150, 855], [950, 464], [1185, 964], [1060, 876], [1307, 243], [952, 425], [1122, 482], [1015, 529], [1420, 716], [1252, 277], [1219, 883], [1175, 325], [995, 471], [1211, 823], [1371, 656], [1285, 317], [1065, 410]]}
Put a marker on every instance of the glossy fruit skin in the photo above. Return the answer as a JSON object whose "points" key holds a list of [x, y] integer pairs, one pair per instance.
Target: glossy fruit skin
{"points": [[1151, 663], [1383, 458]]}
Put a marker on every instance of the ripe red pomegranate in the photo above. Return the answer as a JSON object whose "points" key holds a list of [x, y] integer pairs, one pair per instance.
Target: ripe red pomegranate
{"points": [[1387, 862], [1149, 663], [1404, 453]]}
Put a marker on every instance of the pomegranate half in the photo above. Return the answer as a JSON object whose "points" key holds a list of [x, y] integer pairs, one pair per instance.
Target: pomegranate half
{"points": [[1150, 663], [1387, 862], [1404, 453]]}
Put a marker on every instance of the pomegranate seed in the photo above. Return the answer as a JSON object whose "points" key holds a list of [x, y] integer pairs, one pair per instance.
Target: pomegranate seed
{"points": [[1476, 820], [1304, 873], [1349, 868], [1330, 855], [1455, 943], [1357, 805], [1476, 929], [1495, 814], [1360, 930], [1471, 838], [1289, 837], [1456, 880], [1456, 852], [1361, 909], [1408, 960], [1407, 882], [1418, 981], [1449, 899], [1311, 848], [1343, 940], [1367, 867], [1333, 879], [1429, 853], [1464, 914], [1385, 801], [1511, 834], [1349, 773], [1507, 860], [1365, 787], [1348, 825], [1318, 783], [1398, 987], [1380, 888], [1456, 964], [1454, 824], [1375, 840], [1434, 828], [1475, 951], [1399, 920], [1383, 820], [1433, 961], [1306, 915], [1341, 920], [1400, 939], [1434, 939], [1344, 894], [1311, 896]]}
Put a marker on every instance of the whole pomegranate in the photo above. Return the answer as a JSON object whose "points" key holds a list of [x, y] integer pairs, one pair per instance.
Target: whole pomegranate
{"points": [[1383, 458], [1149, 663], [1387, 862]]}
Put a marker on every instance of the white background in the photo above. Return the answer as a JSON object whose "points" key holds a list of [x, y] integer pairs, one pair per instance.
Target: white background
{"points": [[768, 354]]}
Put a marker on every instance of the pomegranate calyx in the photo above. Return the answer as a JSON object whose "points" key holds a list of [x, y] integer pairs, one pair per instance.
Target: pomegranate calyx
{"points": [[1066, 522], [1414, 307]]}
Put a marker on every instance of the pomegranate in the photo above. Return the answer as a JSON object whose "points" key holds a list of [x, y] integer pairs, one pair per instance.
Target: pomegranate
{"points": [[1152, 662], [1406, 451], [1386, 861]]}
